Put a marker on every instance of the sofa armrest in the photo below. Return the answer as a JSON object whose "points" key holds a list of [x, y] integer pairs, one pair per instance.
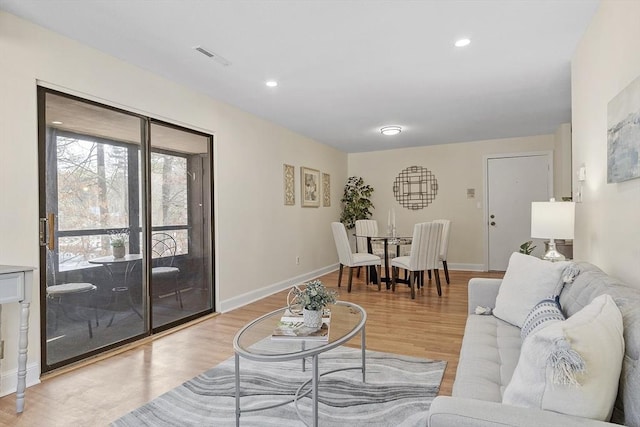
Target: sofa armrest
{"points": [[460, 412], [482, 292]]}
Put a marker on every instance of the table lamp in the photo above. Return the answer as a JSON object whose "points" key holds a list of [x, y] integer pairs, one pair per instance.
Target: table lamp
{"points": [[552, 220]]}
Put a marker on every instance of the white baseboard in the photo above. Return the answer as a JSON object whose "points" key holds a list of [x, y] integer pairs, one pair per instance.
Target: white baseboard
{"points": [[466, 267], [249, 297], [9, 379]]}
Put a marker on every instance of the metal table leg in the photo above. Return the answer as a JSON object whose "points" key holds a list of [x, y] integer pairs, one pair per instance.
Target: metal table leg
{"points": [[304, 359], [315, 390], [237, 373], [363, 345]]}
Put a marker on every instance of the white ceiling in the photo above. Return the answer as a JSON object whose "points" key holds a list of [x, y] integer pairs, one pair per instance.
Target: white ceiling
{"points": [[348, 67]]}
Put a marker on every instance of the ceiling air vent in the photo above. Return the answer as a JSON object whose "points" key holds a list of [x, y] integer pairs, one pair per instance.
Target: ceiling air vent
{"points": [[209, 54]]}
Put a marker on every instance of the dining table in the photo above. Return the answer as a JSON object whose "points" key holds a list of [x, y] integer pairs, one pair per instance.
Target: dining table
{"points": [[398, 242], [120, 270]]}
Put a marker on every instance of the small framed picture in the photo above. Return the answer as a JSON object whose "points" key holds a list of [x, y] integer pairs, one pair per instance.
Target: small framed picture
{"points": [[310, 187], [289, 185], [326, 189]]}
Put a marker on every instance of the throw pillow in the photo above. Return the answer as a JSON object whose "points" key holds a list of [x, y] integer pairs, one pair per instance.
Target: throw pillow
{"points": [[543, 314], [527, 281], [572, 367]]}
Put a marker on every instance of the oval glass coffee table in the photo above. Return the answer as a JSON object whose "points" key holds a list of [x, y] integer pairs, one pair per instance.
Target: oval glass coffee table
{"points": [[254, 342]]}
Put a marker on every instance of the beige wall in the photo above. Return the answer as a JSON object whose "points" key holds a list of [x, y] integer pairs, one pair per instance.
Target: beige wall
{"points": [[457, 167], [258, 237], [608, 220], [562, 162]]}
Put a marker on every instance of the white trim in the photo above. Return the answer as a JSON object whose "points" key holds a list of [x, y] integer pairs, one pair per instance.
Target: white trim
{"points": [[465, 267], [9, 379], [215, 226], [485, 171], [249, 297]]}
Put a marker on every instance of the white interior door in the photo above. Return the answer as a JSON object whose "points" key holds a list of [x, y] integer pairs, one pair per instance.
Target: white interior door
{"points": [[512, 184]]}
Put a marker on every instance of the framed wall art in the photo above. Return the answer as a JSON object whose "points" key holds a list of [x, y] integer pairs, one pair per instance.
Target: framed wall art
{"points": [[326, 190], [623, 134], [415, 187], [310, 187], [289, 185]]}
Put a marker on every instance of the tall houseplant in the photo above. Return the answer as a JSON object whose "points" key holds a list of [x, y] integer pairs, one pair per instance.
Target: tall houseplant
{"points": [[356, 201]]}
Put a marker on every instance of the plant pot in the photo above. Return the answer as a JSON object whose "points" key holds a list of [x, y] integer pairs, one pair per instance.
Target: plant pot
{"points": [[312, 318], [118, 251]]}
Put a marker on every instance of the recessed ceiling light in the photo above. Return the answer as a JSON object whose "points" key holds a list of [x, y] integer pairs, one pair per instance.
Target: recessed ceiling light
{"points": [[56, 122], [271, 83], [462, 42], [390, 130]]}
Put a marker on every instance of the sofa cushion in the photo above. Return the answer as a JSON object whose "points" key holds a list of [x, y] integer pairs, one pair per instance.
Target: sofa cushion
{"points": [[526, 282], [489, 354], [590, 283], [543, 314], [572, 367]]}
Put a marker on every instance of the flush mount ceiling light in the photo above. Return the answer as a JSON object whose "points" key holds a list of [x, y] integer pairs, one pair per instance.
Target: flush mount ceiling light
{"points": [[462, 42], [271, 83], [56, 122], [390, 130]]}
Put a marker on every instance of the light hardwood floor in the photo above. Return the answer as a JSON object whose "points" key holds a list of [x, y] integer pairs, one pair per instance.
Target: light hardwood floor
{"points": [[100, 392]]}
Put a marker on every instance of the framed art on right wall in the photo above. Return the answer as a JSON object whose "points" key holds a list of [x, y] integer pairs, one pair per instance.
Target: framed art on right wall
{"points": [[623, 134]]}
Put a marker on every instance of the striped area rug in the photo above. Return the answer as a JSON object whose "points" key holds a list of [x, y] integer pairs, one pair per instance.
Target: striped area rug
{"points": [[398, 392]]}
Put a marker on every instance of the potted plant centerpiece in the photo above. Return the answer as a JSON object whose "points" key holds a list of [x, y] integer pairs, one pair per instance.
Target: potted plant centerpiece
{"points": [[313, 298], [118, 240]]}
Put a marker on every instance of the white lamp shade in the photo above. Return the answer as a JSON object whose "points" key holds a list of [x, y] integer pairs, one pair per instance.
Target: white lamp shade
{"points": [[552, 220]]}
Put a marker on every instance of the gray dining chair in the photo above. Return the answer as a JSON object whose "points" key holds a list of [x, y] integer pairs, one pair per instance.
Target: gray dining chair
{"points": [[425, 253], [352, 260]]}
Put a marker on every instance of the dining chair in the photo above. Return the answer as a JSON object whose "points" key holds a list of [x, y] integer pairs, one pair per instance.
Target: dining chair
{"points": [[425, 253], [347, 258], [163, 248], [444, 245], [367, 228], [68, 294]]}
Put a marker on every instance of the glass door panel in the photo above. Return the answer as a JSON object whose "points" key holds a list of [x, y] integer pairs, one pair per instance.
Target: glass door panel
{"points": [[93, 296], [180, 241]]}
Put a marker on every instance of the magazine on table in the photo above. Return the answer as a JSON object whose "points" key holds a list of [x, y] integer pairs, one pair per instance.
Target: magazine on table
{"points": [[291, 327]]}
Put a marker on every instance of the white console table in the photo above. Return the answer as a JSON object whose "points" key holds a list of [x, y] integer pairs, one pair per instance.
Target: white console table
{"points": [[15, 286]]}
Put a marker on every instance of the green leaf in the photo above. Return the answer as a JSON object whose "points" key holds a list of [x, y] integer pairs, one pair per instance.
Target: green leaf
{"points": [[356, 203]]}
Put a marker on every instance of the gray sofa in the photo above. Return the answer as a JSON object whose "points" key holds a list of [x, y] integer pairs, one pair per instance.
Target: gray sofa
{"points": [[491, 348]]}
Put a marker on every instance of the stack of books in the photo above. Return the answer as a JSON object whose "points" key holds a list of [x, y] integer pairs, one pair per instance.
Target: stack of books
{"points": [[291, 327]]}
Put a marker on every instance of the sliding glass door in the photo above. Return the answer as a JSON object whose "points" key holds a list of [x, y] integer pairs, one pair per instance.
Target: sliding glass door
{"points": [[180, 224], [125, 227]]}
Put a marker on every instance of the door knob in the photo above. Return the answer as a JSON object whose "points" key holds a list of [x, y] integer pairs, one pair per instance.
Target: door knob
{"points": [[493, 223]]}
